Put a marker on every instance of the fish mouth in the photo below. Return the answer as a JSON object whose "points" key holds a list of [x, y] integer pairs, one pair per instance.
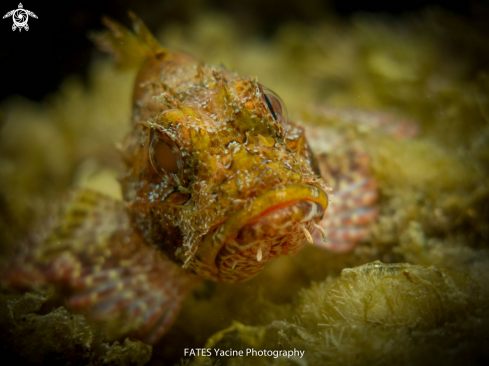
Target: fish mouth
{"points": [[296, 203]]}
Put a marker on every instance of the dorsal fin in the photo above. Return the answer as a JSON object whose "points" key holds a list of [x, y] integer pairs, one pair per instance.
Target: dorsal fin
{"points": [[129, 48]]}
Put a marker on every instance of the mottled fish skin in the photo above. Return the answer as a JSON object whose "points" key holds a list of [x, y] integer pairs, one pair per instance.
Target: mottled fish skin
{"points": [[217, 182]]}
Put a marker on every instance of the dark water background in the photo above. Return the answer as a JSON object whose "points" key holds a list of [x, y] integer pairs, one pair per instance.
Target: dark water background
{"points": [[34, 63]]}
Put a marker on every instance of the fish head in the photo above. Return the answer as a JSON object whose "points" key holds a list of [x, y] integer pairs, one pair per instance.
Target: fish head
{"points": [[216, 176]]}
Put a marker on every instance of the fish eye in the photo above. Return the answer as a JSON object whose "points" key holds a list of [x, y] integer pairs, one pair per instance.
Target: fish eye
{"points": [[275, 105], [163, 157]]}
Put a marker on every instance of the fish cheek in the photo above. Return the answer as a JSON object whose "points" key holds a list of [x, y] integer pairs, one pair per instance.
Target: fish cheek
{"points": [[314, 161], [301, 148]]}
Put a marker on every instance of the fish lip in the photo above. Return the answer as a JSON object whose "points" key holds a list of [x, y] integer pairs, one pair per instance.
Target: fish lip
{"points": [[280, 196]]}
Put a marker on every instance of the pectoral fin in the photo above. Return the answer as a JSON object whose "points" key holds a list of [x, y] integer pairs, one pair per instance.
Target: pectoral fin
{"points": [[103, 268]]}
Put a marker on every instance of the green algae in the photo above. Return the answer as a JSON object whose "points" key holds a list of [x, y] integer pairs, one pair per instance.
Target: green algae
{"points": [[31, 333]]}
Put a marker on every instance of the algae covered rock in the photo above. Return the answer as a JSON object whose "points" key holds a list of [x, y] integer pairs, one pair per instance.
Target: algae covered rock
{"points": [[392, 295], [376, 313], [33, 332]]}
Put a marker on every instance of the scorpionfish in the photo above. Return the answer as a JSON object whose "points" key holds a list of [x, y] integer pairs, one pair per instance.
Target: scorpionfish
{"points": [[217, 182]]}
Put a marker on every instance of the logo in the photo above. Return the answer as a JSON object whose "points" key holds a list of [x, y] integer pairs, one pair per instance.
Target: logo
{"points": [[20, 17]]}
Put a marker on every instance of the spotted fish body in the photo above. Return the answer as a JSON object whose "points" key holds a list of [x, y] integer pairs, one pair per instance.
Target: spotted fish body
{"points": [[216, 183]]}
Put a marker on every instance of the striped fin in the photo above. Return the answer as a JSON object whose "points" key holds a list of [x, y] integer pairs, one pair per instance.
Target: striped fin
{"points": [[352, 206], [103, 268], [344, 166]]}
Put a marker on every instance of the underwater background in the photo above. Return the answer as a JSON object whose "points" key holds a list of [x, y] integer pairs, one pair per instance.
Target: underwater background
{"points": [[65, 106]]}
